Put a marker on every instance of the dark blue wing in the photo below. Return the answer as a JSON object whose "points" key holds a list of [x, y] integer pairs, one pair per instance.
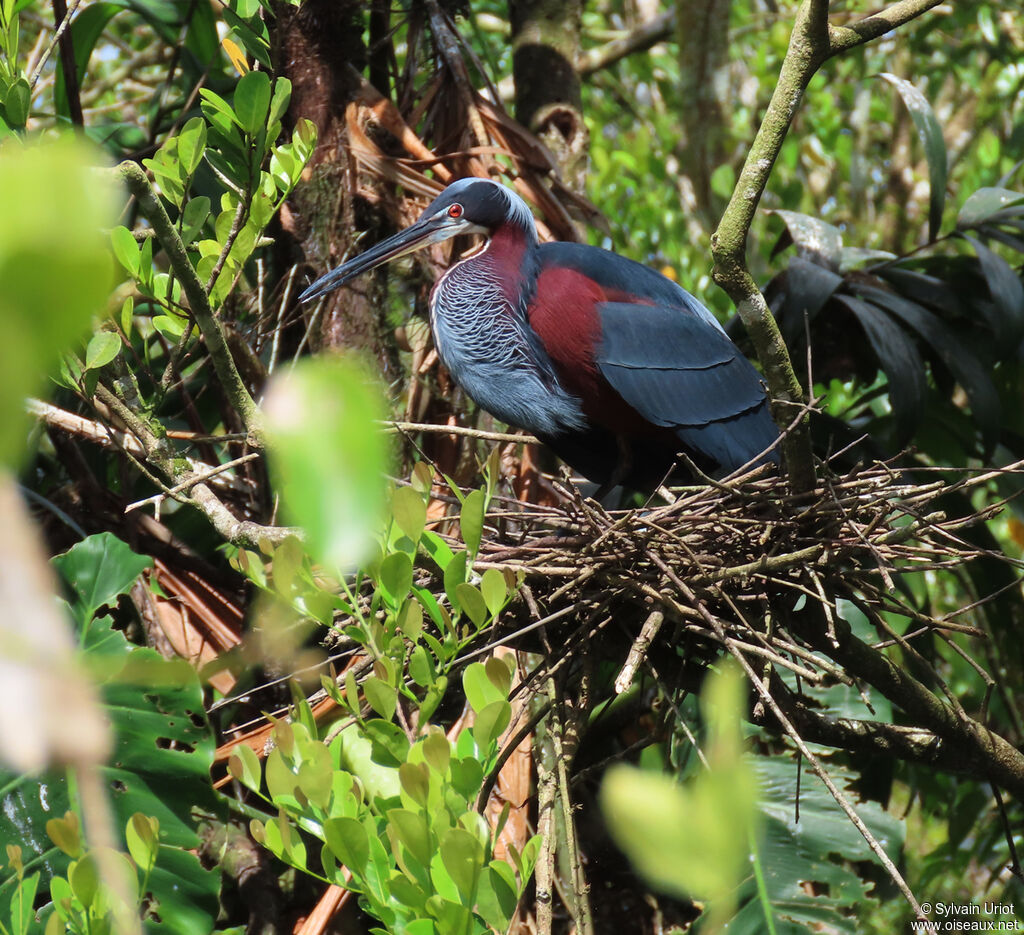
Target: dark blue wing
{"points": [[680, 372]]}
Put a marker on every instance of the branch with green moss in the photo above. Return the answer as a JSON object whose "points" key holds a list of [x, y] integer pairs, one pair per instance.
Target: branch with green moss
{"points": [[199, 302], [812, 43], [184, 480]]}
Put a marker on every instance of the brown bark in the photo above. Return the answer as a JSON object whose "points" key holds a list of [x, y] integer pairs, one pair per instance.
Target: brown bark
{"points": [[703, 34], [546, 44], [319, 48]]}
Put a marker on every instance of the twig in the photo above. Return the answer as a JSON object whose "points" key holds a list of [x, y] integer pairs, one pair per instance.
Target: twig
{"points": [[196, 479], [64, 23], [811, 44]]}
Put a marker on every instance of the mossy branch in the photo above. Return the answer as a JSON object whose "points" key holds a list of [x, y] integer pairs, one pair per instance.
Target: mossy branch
{"points": [[813, 42], [198, 299]]}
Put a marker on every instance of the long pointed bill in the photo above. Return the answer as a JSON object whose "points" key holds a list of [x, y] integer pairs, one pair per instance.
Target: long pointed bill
{"points": [[419, 235]]}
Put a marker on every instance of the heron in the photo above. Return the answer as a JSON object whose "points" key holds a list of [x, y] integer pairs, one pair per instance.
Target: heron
{"points": [[616, 368]]}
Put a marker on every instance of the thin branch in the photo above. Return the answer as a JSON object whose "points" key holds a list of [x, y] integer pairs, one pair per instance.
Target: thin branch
{"points": [[812, 43], [199, 478], [841, 38], [64, 23]]}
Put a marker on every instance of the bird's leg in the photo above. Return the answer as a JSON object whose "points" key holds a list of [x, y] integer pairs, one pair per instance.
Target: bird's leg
{"points": [[623, 466]]}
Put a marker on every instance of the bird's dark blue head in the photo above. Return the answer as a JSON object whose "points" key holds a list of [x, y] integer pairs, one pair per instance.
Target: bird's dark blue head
{"points": [[469, 206]]}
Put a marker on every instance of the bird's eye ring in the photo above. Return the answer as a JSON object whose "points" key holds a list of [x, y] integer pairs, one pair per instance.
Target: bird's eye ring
{"points": [[455, 211]]}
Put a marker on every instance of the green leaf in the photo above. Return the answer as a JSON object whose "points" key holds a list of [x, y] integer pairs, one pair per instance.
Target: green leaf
{"points": [[899, 359], [412, 830], [695, 839], [437, 751], [480, 689], [17, 102], [193, 217], [170, 326], [497, 895], [816, 240], [421, 666], [55, 266], [252, 101], [100, 569], [142, 835], [410, 512], [961, 362], [282, 97], [244, 765], [984, 204], [494, 590], [463, 858], [328, 456], [1007, 292], [472, 603], [66, 834], [395, 578], [490, 723], [126, 249], [346, 837], [454, 575], [471, 519], [103, 347], [390, 745], [930, 133], [192, 145], [381, 696]]}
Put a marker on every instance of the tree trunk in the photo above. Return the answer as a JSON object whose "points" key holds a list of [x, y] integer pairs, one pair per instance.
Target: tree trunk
{"points": [[315, 45], [703, 33], [546, 43]]}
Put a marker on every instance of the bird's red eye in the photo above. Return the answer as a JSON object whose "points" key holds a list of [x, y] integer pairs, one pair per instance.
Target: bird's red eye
{"points": [[455, 211]]}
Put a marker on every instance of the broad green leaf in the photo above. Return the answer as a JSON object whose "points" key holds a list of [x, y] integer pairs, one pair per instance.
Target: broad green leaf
{"points": [[930, 133], [471, 519], [499, 671], [980, 207], [193, 217], [381, 696], [454, 575], [693, 839], [55, 266], [1007, 291], [412, 830], [252, 100], [126, 249], [346, 837], [463, 858], [899, 359], [328, 456], [19, 97], [494, 590], [192, 145], [480, 689], [281, 98], [410, 512], [472, 603], [437, 751], [395, 578], [99, 569], [103, 347], [66, 834], [816, 240], [142, 835], [490, 722], [169, 325], [497, 895]]}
